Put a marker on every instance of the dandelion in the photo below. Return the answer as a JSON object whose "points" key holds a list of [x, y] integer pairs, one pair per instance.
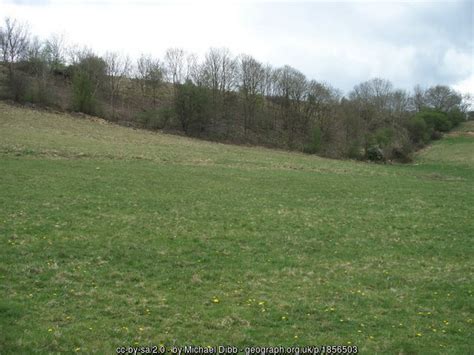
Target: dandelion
{"points": [[419, 334], [349, 342], [140, 329], [296, 336], [261, 303], [215, 300], [50, 329], [77, 349], [283, 318]]}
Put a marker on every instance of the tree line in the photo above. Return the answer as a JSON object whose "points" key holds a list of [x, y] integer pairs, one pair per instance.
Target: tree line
{"points": [[226, 98]]}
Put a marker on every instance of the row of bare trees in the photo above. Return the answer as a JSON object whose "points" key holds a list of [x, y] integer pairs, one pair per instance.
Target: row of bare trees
{"points": [[222, 97]]}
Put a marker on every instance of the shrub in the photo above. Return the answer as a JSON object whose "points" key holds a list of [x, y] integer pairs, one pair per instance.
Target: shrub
{"points": [[382, 137], [374, 153], [355, 151], [436, 120], [402, 154], [418, 130], [83, 97], [154, 119], [435, 135], [314, 145], [455, 116], [192, 107]]}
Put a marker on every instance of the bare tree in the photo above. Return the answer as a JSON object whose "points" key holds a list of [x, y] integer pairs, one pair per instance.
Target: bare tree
{"points": [[55, 51], [443, 98], [174, 61], [149, 74], [418, 98], [291, 87], [251, 80], [117, 68], [372, 99], [220, 70], [14, 39]]}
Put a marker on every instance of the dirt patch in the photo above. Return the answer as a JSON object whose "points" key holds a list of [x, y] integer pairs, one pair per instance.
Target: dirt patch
{"points": [[461, 134]]}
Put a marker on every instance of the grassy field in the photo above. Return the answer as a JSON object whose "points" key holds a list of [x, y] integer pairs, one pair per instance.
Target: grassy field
{"points": [[111, 237]]}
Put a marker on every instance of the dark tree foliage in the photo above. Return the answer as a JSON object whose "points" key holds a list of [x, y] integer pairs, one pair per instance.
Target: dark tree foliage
{"points": [[88, 76], [192, 107]]}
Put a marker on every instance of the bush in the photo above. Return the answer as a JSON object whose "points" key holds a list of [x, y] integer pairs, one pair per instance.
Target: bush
{"points": [[436, 120], [382, 137], [435, 135], [402, 154], [418, 130], [87, 79], [375, 153], [355, 151], [83, 97], [455, 116], [192, 107], [155, 119], [315, 143]]}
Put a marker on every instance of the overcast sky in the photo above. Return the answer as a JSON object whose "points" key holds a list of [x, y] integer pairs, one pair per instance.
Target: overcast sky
{"points": [[342, 43]]}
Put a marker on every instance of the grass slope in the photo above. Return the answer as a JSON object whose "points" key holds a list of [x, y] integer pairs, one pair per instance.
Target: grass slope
{"points": [[111, 236]]}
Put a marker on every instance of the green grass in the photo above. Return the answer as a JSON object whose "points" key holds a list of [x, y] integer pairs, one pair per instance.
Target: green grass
{"points": [[111, 236]]}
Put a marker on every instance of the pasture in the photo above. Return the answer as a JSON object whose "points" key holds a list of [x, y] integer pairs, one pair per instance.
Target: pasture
{"points": [[111, 237]]}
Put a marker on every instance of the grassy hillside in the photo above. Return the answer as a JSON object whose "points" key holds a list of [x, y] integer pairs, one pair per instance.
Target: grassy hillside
{"points": [[111, 236]]}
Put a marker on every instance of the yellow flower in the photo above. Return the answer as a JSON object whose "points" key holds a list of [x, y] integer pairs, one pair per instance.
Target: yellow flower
{"points": [[283, 317], [77, 349], [296, 336], [215, 300], [419, 334], [50, 329]]}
